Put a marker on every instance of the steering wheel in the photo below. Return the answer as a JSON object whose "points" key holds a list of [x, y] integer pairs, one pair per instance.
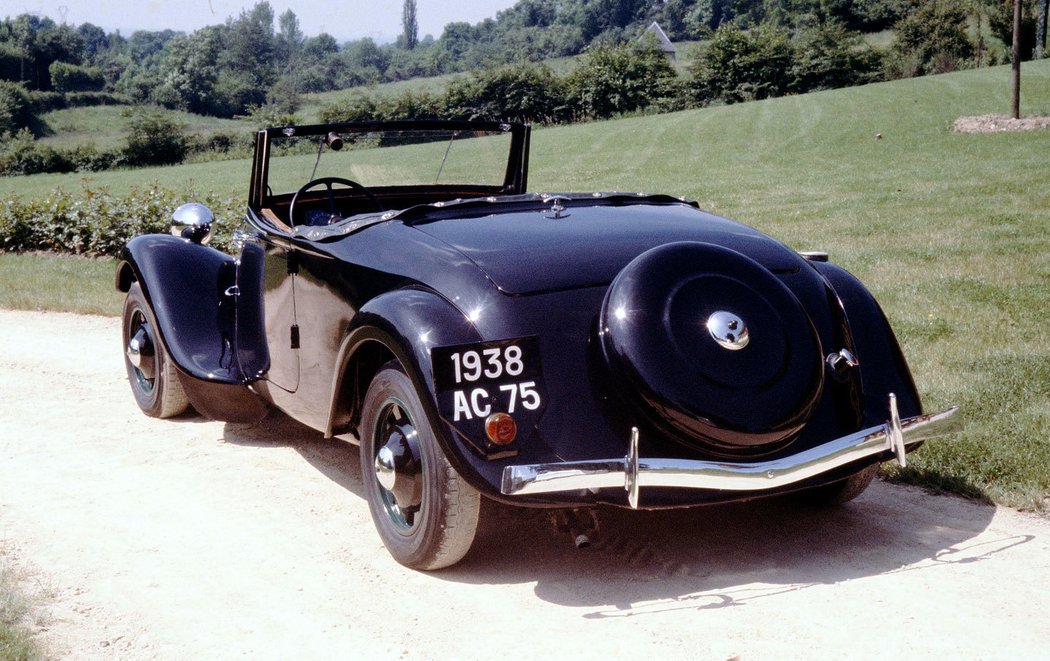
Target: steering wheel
{"points": [[328, 183]]}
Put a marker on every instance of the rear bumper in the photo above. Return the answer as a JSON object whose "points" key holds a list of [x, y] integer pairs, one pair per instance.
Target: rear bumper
{"points": [[632, 472]]}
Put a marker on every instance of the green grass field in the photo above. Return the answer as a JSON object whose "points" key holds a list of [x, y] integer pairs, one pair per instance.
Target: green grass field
{"points": [[107, 126], [949, 231]]}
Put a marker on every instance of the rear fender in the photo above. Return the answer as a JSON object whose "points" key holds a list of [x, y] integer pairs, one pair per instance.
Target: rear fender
{"points": [[404, 325], [191, 290], [882, 368]]}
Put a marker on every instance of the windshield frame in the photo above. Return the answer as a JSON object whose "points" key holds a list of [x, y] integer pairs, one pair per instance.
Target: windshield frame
{"points": [[515, 178]]}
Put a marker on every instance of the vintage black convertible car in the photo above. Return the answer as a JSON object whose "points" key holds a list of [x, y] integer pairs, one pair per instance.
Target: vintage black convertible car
{"points": [[399, 287]]}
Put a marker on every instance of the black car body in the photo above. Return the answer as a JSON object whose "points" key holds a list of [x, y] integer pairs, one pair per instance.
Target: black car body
{"points": [[554, 350]]}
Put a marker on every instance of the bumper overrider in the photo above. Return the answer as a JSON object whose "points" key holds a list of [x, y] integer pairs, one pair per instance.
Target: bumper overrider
{"points": [[632, 472]]}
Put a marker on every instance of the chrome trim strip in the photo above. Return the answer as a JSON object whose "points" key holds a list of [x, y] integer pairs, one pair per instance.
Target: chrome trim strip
{"points": [[633, 472]]}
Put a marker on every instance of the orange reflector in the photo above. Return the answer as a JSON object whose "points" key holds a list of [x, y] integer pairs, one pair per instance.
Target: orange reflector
{"points": [[501, 428]]}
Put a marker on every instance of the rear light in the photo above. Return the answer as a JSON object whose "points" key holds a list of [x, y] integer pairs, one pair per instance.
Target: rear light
{"points": [[501, 428]]}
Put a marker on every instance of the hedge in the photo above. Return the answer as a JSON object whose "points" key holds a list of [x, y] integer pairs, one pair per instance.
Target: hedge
{"points": [[97, 223]]}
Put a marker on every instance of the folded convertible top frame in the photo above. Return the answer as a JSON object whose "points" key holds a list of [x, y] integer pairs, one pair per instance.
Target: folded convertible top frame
{"points": [[632, 472]]}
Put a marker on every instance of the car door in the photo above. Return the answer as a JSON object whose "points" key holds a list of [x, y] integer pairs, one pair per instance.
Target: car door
{"points": [[278, 310]]}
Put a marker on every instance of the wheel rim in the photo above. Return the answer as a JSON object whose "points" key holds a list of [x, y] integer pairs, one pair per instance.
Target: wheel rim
{"points": [[398, 465], [141, 353]]}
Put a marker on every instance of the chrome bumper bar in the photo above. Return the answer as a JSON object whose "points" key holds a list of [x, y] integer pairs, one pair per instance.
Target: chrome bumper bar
{"points": [[633, 472]]}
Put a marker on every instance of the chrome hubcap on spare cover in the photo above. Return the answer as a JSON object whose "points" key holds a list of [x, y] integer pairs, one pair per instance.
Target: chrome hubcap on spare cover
{"points": [[728, 330]]}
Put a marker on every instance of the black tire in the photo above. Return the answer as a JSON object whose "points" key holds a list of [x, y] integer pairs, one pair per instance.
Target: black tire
{"points": [[430, 524], [841, 491], [152, 376]]}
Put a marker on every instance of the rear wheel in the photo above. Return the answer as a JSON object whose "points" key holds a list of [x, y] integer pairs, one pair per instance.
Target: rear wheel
{"points": [[151, 373], [426, 514], [842, 491]]}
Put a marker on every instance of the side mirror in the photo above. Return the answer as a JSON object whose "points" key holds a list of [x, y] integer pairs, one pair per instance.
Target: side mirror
{"points": [[334, 142], [192, 221]]}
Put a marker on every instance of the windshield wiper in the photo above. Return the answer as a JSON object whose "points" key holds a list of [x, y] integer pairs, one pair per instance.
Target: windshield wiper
{"points": [[455, 134]]}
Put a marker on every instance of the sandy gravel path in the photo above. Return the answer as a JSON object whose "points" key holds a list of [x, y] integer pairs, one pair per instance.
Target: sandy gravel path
{"points": [[183, 539]]}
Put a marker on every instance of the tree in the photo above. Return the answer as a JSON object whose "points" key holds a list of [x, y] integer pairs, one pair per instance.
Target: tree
{"points": [[190, 73], [744, 65], [249, 63], [708, 15], [289, 35], [95, 39], [1001, 23], [41, 42], [410, 27], [829, 56], [1040, 28], [456, 40], [143, 44]]}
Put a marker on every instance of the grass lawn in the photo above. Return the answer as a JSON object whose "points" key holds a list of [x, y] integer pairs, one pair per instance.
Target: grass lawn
{"points": [[53, 282], [107, 126], [226, 178], [949, 231]]}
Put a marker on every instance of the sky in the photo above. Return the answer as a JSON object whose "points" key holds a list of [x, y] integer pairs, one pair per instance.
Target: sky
{"points": [[343, 19]]}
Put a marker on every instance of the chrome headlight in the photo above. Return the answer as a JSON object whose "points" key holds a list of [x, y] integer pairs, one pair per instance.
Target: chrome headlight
{"points": [[192, 221]]}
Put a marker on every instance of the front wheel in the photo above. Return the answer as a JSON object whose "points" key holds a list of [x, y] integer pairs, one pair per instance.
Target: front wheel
{"points": [[426, 514], [151, 373]]}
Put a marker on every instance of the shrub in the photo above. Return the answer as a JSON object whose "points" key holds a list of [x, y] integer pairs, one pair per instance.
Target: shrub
{"points": [[48, 101], [931, 39], [830, 56], [22, 154], [620, 79], [359, 107], [529, 93], [222, 144], [153, 139], [407, 105], [95, 222], [67, 77], [16, 110]]}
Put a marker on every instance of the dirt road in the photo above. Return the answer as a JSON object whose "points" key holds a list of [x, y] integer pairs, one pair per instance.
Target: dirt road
{"points": [[194, 539]]}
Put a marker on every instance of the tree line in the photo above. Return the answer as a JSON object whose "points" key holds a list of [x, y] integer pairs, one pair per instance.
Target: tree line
{"points": [[260, 64], [258, 58]]}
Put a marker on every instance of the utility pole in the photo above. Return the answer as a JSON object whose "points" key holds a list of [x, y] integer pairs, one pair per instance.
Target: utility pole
{"points": [[1015, 95]]}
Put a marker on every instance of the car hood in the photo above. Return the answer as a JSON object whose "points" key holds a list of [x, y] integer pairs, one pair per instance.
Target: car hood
{"points": [[530, 248]]}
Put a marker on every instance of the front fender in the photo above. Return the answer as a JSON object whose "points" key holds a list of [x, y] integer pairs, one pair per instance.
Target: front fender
{"points": [[186, 286], [185, 283]]}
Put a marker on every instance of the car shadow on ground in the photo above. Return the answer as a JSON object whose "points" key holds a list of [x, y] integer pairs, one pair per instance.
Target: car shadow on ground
{"points": [[697, 558], [728, 555], [335, 459]]}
